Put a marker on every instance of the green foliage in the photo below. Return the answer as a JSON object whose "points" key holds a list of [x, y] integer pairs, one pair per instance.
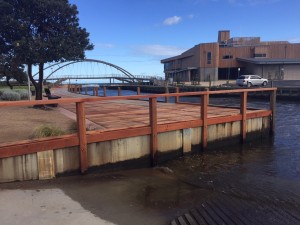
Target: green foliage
{"points": [[9, 95], [2, 90], [47, 131], [23, 94], [13, 95], [43, 31], [36, 32], [73, 127]]}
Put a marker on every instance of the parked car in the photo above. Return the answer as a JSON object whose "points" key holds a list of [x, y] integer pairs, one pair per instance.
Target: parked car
{"points": [[251, 80]]}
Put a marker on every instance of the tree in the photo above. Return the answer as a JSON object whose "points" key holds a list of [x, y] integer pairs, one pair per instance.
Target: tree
{"points": [[12, 70], [36, 32]]}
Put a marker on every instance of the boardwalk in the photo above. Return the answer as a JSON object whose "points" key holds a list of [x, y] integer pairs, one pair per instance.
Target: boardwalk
{"points": [[120, 114], [157, 128]]}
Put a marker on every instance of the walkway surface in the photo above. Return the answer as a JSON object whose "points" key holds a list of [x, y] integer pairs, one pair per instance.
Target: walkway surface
{"points": [[120, 114]]}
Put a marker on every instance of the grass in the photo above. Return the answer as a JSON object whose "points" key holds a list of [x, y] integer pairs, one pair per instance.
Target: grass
{"points": [[48, 131]]}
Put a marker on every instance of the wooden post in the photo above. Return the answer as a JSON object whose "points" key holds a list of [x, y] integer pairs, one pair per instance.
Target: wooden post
{"points": [[177, 97], [243, 111], [204, 109], [167, 97], [80, 114], [138, 90], [119, 91], [153, 125], [104, 91], [273, 108]]}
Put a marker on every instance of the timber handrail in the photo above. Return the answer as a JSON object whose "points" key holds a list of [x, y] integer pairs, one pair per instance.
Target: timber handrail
{"points": [[84, 137], [130, 97]]}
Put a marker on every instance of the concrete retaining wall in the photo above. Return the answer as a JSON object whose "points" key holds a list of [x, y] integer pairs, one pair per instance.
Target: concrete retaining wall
{"points": [[47, 164]]}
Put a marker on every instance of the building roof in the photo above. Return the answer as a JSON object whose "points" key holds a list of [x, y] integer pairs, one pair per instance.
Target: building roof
{"points": [[263, 61], [182, 56]]}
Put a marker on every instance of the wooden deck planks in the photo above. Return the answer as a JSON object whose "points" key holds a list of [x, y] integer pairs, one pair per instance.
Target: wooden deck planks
{"points": [[117, 114]]}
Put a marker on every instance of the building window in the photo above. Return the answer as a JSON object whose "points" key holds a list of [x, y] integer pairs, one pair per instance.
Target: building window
{"points": [[168, 65], [208, 57], [260, 55], [227, 57]]}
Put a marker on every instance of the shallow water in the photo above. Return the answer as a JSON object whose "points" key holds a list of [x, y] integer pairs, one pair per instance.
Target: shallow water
{"points": [[267, 170]]}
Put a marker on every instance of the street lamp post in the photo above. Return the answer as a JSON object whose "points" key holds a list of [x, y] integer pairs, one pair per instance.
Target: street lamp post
{"points": [[239, 69]]}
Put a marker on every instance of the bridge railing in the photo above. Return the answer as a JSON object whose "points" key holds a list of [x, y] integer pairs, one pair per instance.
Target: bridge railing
{"points": [[82, 138], [103, 76]]}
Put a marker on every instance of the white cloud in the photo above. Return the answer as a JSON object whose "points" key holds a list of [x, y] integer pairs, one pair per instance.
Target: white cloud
{"points": [[172, 20], [251, 2], [232, 1], [294, 40], [260, 2], [105, 45], [191, 16], [159, 50]]}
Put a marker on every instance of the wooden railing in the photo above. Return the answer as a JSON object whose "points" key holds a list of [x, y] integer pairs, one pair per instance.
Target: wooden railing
{"points": [[83, 137]]}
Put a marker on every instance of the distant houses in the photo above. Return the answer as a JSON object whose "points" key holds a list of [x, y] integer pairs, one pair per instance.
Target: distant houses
{"points": [[230, 57]]}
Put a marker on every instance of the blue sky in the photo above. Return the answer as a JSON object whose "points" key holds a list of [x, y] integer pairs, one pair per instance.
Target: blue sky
{"points": [[137, 34]]}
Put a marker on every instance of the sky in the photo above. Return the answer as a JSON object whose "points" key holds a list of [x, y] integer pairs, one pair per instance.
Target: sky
{"points": [[137, 34]]}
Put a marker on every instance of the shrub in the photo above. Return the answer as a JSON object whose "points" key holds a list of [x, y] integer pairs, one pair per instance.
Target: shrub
{"points": [[9, 95], [73, 127], [23, 94], [1, 91], [48, 131]]}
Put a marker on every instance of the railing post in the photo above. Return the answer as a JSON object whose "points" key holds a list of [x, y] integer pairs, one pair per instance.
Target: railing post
{"points": [[204, 109], [80, 115], [167, 92], [243, 112], [119, 91], [177, 97], [273, 108], [153, 125], [138, 90], [104, 91]]}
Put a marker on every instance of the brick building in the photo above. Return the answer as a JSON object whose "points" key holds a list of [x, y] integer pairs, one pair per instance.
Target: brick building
{"points": [[230, 57]]}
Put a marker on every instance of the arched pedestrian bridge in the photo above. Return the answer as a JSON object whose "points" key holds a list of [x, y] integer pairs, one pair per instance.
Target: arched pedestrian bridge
{"points": [[92, 69]]}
